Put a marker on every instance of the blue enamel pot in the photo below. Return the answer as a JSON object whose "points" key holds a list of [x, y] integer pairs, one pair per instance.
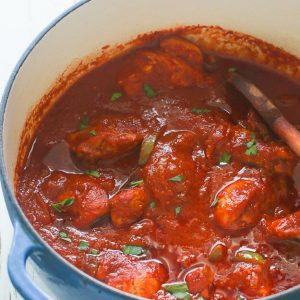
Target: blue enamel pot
{"points": [[80, 32]]}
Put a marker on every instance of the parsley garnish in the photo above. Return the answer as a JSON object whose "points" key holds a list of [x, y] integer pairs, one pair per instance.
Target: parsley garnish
{"points": [[215, 202], [133, 250], [84, 123], [178, 290], [177, 210], [64, 203], [94, 173], [177, 178], [115, 96], [64, 236], [149, 91], [152, 204], [252, 149], [225, 158], [135, 183], [199, 111], [94, 251], [93, 133], [232, 70], [83, 245]]}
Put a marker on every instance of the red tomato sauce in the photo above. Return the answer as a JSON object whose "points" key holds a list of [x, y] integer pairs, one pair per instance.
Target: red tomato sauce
{"points": [[211, 210]]}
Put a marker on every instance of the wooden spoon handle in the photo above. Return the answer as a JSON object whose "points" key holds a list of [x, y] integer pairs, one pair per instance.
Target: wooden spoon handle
{"points": [[270, 113]]}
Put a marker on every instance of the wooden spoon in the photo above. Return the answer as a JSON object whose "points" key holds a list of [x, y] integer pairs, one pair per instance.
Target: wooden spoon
{"points": [[270, 113]]}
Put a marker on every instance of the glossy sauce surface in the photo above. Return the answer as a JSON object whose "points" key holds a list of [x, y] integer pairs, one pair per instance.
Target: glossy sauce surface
{"points": [[183, 220]]}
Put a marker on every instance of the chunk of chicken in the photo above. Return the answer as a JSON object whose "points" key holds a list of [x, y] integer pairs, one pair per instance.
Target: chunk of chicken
{"points": [[128, 206], [184, 49], [90, 201], [158, 69], [200, 280], [287, 227], [251, 279], [272, 156], [104, 143], [242, 202], [170, 171], [127, 273]]}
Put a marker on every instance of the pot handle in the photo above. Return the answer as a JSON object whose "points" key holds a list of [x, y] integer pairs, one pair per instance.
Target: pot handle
{"points": [[22, 247]]}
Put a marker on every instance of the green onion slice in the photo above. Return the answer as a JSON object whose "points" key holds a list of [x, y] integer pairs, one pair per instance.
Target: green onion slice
{"points": [[249, 256], [146, 149]]}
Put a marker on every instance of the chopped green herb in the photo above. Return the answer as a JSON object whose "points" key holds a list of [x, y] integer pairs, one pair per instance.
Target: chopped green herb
{"points": [[179, 290], [83, 245], [149, 91], [135, 183], [232, 70], [215, 202], [241, 297], [94, 173], [60, 205], [182, 295], [178, 178], [252, 141], [251, 145], [249, 256], [84, 123], [152, 204], [64, 236], [133, 250], [115, 96], [199, 111], [252, 151], [177, 210], [201, 298], [225, 158], [94, 251], [92, 133]]}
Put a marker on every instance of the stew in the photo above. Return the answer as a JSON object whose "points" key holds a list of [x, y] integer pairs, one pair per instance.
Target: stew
{"points": [[154, 175]]}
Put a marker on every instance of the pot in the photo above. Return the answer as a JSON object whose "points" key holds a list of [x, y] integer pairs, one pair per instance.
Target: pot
{"points": [[78, 32]]}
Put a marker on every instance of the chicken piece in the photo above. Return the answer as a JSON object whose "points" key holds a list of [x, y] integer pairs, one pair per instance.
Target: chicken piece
{"points": [[131, 275], [272, 156], [287, 227], [200, 280], [241, 203], [251, 279], [90, 201], [157, 69], [170, 171], [104, 144], [184, 49], [128, 206]]}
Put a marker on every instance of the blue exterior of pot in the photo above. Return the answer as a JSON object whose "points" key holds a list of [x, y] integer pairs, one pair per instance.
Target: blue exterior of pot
{"points": [[64, 280]]}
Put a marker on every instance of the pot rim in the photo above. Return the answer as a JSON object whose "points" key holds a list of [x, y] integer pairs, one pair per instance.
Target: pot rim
{"points": [[18, 213]]}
